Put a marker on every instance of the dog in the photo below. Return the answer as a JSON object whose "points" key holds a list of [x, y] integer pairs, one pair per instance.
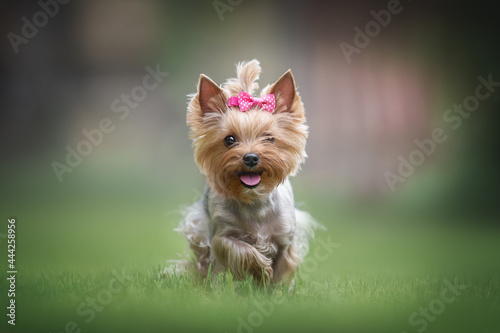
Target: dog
{"points": [[247, 147]]}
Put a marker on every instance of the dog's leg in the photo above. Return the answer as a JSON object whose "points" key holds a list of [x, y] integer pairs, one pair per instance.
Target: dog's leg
{"points": [[285, 264], [241, 258], [202, 254]]}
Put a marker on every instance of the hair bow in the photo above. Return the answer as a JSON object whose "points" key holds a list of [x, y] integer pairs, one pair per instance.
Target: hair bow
{"points": [[245, 101]]}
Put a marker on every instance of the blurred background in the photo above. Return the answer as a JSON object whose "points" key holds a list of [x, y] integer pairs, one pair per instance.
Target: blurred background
{"points": [[70, 69], [363, 112]]}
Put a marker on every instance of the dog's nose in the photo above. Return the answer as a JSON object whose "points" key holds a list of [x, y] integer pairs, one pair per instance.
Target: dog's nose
{"points": [[251, 159]]}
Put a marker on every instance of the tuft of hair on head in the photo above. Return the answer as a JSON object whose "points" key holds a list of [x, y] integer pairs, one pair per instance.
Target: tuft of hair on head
{"points": [[247, 72]]}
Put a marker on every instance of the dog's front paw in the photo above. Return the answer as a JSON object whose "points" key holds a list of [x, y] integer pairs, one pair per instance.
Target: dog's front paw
{"points": [[268, 274], [262, 274]]}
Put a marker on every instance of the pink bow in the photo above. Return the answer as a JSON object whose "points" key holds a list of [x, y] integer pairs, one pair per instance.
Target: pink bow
{"points": [[245, 101]]}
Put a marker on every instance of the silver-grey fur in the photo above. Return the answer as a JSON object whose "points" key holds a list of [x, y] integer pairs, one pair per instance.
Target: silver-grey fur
{"points": [[270, 225]]}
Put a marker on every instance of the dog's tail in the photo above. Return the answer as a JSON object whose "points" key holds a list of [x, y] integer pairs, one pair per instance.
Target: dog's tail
{"points": [[304, 231], [246, 75]]}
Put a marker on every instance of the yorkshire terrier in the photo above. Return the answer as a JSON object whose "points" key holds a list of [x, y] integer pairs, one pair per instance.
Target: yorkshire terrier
{"points": [[247, 147]]}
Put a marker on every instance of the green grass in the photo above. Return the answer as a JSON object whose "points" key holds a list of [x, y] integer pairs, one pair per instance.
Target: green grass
{"points": [[73, 236], [348, 303]]}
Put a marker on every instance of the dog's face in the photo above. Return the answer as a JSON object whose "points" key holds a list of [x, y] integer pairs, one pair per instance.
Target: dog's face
{"points": [[245, 155]]}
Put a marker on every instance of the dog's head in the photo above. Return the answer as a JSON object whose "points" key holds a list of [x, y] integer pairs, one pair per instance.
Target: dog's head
{"points": [[246, 150]]}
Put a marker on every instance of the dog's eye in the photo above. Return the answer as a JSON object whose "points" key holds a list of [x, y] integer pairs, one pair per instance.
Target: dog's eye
{"points": [[229, 140], [269, 139]]}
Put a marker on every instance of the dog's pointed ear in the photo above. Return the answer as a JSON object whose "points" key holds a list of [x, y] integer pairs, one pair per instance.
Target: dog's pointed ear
{"points": [[210, 95], [285, 92]]}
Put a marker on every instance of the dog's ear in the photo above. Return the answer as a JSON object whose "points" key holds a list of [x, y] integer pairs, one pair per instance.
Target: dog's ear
{"points": [[285, 92], [210, 95]]}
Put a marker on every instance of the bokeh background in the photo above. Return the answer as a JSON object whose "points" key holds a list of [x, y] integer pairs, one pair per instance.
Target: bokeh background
{"points": [[120, 204]]}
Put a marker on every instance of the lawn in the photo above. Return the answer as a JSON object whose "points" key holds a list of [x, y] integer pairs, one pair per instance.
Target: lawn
{"points": [[89, 259]]}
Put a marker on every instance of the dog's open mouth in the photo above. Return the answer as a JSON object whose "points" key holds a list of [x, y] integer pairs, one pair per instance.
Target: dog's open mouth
{"points": [[250, 179]]}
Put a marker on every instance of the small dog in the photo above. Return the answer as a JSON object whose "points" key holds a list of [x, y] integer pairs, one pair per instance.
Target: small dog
{"points": [[247, 147]]}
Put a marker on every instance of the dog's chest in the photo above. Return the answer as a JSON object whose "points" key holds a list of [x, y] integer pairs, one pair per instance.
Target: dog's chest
{"points": [[268, 221], [265, 225]]}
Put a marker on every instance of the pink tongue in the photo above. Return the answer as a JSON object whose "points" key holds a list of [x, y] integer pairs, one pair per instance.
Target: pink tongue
{"points": [[250, 179]]}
